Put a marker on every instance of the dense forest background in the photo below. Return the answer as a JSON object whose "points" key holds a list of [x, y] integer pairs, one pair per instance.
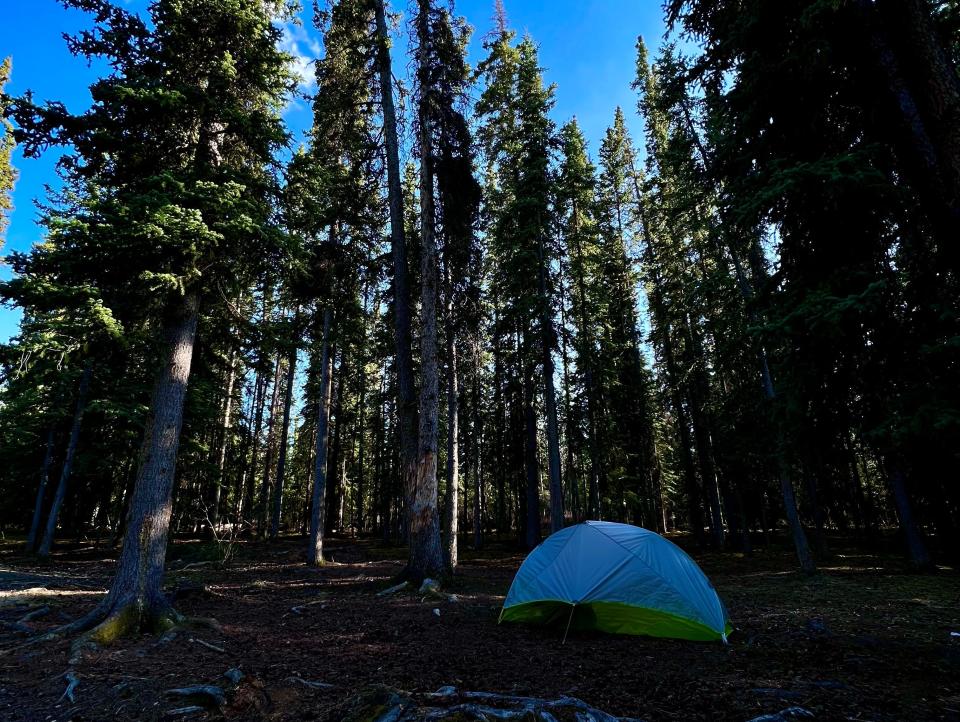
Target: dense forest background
{"points": [[743, 323]]}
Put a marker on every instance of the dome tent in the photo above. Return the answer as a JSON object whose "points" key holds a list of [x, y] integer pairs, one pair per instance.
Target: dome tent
{"points": [[616, 578]]}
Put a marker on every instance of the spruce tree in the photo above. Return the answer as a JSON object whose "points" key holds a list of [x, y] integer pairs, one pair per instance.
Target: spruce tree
{"points": [[181, 134]]}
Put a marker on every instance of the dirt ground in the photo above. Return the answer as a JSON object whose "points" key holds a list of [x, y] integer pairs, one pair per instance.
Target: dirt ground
{"points": [[862, 640]]}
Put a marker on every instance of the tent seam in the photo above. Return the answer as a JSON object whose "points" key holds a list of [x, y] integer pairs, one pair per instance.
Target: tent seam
{"points": [[548, 565]]}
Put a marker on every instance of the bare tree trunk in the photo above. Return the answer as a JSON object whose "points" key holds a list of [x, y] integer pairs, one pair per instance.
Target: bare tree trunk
{"points": [[315, 549], [136, 600], [248, 478], [478, 444], [224, 442], [406, 389], [41, 491], [453, 451], [425, 555], [332, 521], [550, 397], [264, 505], [699, 391], [284, 437], [531, 463], [61, 493]]}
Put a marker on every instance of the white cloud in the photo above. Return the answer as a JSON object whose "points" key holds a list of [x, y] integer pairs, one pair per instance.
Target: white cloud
{"points": [[305, 49]]}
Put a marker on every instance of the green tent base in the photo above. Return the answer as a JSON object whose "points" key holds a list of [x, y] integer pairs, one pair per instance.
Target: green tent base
{"points": [[611, 617]]}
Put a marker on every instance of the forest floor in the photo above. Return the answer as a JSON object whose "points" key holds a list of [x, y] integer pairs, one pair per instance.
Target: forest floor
{"points": [[862, 640]]}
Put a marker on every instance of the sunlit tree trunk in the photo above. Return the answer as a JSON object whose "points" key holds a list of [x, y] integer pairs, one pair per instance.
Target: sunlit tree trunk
{"points": [[136, 599], [451, 512]]}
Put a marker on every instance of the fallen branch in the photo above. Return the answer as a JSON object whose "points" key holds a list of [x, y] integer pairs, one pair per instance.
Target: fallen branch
{"points": [[184, 711], [394, 589], [309, 683], [214, 647]]}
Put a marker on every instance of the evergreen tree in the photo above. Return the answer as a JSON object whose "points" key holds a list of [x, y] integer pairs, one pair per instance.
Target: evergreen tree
{"points": [[628, 427], [517, 136], [180, 136]]}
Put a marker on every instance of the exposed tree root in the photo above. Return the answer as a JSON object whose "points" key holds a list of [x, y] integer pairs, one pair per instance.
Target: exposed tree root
{"points": [[452, 705], [72, 683], [108, 622]]}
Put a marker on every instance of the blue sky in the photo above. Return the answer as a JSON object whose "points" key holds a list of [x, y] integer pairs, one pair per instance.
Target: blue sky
{"points": [[586, 47]]}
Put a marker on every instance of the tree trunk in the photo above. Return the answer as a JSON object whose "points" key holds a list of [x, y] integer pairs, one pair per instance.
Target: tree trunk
{"points": [[61, 492], [477, 460], [334, 477], [699, 391], [41, 492], [318, 507], [453, 451], [264, 505], [746, 292], [245, 510], [531, 464], [425, 555], [284, 437], [800, 542], [917, 549], [550, 398], [224, 443], [406, 390], [136, 600]]}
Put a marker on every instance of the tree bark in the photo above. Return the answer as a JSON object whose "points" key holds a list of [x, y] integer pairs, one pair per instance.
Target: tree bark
{"points": [[41, 492], [451, 511], [47, 544], [284, 437], [425, 555], [406, 389], [136, 600], [318, 508]]}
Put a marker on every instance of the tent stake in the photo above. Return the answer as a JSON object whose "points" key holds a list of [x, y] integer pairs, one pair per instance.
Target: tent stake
{"points": [[569, 619]]}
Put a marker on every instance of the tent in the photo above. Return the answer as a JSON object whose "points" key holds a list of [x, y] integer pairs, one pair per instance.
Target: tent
{"points": [[616, 578]]}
